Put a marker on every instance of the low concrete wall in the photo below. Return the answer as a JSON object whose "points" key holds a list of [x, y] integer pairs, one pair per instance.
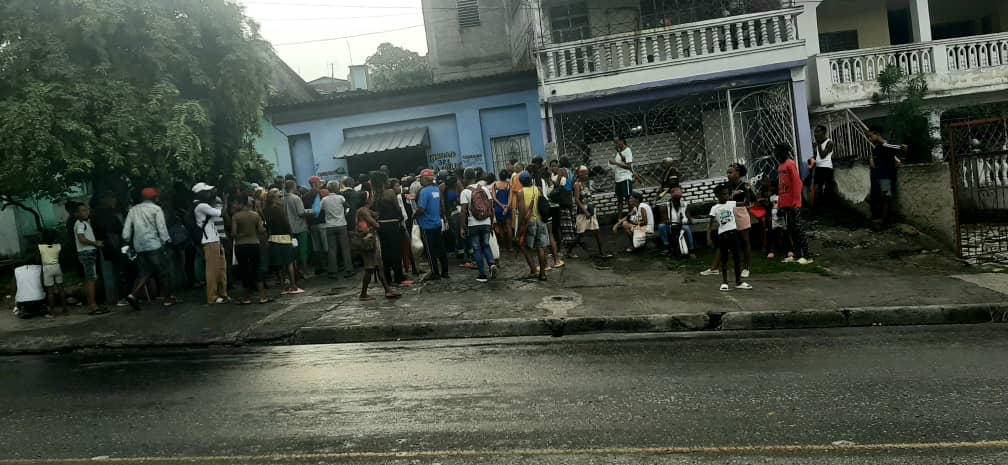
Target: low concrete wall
{"points": [[924, 198]]}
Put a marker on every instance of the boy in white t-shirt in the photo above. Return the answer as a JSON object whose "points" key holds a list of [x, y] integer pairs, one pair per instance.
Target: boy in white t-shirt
{"points": [[723, 220]]}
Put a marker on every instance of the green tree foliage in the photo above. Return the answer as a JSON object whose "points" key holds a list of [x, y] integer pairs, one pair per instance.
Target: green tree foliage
{"points": [[394, 67], [137, 92], [907, 122]]}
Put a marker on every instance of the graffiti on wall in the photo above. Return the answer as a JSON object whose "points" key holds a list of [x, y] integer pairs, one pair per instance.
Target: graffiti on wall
{"points": [[444, 161]]}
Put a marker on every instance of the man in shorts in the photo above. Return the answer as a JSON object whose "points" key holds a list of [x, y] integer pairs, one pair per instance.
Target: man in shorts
{"points": [[623, 171], [52, 274]]}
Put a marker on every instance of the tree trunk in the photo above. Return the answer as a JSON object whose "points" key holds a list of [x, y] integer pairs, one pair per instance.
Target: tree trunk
{"points": [[7, 201]]}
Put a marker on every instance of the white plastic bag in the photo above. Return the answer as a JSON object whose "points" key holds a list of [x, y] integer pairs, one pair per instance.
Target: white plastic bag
{"points": [[639, 237], [494, 246], [416, 242], [683, 245]]}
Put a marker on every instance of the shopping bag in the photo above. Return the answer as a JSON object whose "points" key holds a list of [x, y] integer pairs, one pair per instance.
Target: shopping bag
{"points": [[639, 237], [494, 246], [416, 242]]}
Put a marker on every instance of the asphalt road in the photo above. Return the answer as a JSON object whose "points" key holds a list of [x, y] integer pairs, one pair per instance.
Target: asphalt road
{"points": [[934, 395]]}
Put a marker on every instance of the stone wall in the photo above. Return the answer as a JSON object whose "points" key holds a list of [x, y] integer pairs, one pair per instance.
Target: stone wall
{"points": [[924, 197], [694, 192]]}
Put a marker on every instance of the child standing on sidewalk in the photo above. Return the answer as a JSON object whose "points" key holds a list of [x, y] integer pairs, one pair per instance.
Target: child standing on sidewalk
{"points": [[723, 220], [87, 253], [52, 274]]}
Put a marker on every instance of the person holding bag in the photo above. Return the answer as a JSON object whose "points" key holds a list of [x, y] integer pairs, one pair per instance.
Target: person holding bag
{"points": [[365, 243]]}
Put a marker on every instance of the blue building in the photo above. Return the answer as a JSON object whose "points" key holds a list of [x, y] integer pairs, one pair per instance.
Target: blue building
{"points": [[480, 122]]}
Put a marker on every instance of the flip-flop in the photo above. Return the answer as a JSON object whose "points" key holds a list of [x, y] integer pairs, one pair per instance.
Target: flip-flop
{"points": [[98, 311], [366, 298], [393, 296], [245, 302], [265, 301]]}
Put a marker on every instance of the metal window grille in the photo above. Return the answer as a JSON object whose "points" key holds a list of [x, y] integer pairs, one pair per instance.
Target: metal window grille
{"points": [[702, 133], [978, 155], [517, 147], [468, 13]]}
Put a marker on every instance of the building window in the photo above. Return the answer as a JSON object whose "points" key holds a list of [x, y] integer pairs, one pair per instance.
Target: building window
{"points": [[468, 13], [661, 13], [517, 147], [952, 30], [569, 22], [838, 41]]}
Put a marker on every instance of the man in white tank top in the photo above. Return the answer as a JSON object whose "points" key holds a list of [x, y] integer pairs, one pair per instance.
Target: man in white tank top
{"points": [[823, 183]]}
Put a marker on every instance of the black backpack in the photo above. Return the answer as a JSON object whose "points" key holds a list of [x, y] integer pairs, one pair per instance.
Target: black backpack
{"points": [[542, 203]]}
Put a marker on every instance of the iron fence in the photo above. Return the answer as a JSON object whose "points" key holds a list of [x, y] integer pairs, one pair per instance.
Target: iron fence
{"points": [[979, 165]]}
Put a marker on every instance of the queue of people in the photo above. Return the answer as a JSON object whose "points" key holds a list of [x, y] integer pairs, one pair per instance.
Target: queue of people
{"points": [[274, 237]]}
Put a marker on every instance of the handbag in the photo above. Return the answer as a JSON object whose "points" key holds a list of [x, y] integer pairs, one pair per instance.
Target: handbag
{"points": [[416, 241], [639, 237], [362, 240], [542, 205], [562, 197], [683, 245], [494, 246]]}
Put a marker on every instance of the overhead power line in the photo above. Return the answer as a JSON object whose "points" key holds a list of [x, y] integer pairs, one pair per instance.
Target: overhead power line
{"points": [[328, 39], [336, 18]]}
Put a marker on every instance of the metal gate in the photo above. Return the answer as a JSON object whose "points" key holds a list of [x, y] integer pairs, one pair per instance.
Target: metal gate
{"points": [[761, 118], [979, 164]]}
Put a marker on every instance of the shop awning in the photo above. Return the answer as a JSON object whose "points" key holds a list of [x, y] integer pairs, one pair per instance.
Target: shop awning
{"points": [[382, 142]]}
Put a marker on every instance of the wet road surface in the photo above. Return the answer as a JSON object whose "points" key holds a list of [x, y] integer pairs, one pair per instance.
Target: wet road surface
{"points": [[825, 397]]}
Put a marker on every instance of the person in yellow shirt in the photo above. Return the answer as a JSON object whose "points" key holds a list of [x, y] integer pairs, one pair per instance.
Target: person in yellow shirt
{"points": [[52, 275]]}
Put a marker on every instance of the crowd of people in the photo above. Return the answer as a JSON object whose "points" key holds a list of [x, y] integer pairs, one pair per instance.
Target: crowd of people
{"points": [[389, 228]]}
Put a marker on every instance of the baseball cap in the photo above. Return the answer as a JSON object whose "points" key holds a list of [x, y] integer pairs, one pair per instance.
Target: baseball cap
{"points": [[524, 176], [149, 193], [427, 172], [201, 187]]}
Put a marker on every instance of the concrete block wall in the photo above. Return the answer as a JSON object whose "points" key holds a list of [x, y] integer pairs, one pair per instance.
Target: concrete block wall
{"points": [[695, 192]]}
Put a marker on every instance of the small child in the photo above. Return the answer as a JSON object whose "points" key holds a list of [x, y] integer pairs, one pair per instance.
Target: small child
{"points": [[87, 254], [723, 220], [52, 274]]}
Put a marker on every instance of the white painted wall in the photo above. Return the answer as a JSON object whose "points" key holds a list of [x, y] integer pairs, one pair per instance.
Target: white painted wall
{"points": [[10, 236]]}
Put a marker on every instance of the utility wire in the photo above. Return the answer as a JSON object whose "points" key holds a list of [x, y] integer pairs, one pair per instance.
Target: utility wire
{"points": [[328, 39]]}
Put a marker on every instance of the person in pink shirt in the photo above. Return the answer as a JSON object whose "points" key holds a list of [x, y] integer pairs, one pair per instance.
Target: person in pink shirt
{"points": [[789, 191]]}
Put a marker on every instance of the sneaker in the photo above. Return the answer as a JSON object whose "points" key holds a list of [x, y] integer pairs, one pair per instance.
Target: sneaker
{"points": [[745, 273], [805, 261], [133, 302], [789, 260], [724, 288], [709, 272], [745, 286], [122, 303], [493, 271], [482, 278]]}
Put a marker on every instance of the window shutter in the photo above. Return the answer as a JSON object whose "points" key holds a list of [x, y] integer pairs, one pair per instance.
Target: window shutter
{"points": [[468, 13]]}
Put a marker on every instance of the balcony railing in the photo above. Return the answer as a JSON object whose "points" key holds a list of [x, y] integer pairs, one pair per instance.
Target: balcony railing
{"points": [[849, 77], [669, 45]]}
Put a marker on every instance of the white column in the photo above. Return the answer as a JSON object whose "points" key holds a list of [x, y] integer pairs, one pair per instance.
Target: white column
{"points": [[920, 18], [808, 26], [934, 123]]}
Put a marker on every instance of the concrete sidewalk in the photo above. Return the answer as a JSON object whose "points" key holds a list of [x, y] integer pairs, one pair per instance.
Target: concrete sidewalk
{"points": [[860, 279]]}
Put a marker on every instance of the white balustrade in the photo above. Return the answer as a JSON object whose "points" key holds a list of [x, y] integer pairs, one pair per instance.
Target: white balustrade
{"points": [[867, 66], [977, 52], [667, 45]]}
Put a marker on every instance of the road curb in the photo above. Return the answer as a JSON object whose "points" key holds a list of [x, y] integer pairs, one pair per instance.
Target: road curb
{"points": [[867, 316], [731, 321], [504, 327]]}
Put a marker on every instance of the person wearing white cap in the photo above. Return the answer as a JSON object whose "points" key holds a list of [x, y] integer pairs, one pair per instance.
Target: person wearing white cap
{"points": [[213, 252]]}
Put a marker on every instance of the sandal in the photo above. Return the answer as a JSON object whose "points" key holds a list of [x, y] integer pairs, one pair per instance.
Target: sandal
{"points": [[98, 311], [265, 301], [297, 291], [366, 298], [560, 264], [393, 295], [245, 302]]}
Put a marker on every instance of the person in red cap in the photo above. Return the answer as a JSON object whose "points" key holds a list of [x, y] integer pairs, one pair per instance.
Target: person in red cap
{"points": [[146, 231]]}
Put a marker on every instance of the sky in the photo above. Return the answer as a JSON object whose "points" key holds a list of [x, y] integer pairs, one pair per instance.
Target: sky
{"points": [[286, 22]]}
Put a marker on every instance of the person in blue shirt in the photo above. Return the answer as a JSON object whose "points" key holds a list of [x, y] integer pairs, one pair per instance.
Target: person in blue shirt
{"points": [[428, 216]]}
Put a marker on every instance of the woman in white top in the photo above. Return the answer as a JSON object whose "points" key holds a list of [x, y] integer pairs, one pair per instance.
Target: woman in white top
{"points": [[823, 184], [640, 215]]}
